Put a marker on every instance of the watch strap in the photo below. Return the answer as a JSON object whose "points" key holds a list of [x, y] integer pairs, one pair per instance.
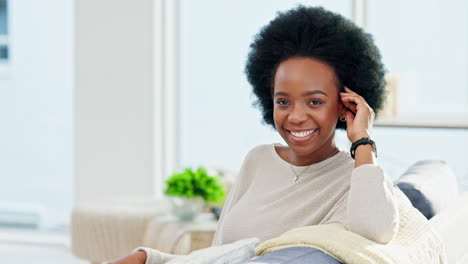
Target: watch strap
{"points": [[362, 141]]}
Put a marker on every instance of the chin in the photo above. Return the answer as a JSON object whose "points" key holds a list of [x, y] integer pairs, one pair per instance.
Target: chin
{"points": [[301, 149]]}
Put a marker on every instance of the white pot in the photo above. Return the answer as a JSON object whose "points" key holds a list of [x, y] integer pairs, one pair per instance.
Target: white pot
{"points": [[186, 209]]}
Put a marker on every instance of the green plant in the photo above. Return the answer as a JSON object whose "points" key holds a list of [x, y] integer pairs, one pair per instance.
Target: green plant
{"points": [[196, 183]]}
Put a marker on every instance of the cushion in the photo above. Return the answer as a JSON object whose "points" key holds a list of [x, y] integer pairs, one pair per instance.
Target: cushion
{"points": [[234, 253], [430, 186], [295, 255]]}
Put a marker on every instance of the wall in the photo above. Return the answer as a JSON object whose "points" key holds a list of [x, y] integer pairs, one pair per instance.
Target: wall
{"points": [[114, 99]]}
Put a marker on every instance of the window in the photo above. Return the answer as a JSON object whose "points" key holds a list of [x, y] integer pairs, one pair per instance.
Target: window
{"points": [[36, 115], [426, 50], [4, 52]]}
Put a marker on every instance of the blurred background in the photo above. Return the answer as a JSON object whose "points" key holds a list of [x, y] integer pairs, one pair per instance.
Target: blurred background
{"points": [[105, 99]]}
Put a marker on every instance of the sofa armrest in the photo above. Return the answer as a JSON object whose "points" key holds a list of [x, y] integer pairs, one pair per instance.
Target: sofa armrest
{"points": [[169, 235], [451, 223]]}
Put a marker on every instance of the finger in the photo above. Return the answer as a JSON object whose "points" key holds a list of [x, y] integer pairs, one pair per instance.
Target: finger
{"points": [[354, 98], [350, 91], [349, 118], [349, 95], [350, 106], [351, 101], [347, 92], [349, 98]]}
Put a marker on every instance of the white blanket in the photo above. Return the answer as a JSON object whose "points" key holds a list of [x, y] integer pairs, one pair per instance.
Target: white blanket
{"points": [[234, 253], [416, 241]]}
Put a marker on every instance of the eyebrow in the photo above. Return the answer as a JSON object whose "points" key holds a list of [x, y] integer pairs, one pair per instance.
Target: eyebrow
{"points": [[304, 94]]}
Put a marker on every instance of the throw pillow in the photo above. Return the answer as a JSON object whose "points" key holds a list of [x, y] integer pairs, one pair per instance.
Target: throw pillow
{"points": [[430, 186]]}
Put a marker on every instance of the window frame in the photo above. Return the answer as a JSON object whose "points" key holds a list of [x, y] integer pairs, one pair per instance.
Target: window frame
{"points": [[4, 41]]}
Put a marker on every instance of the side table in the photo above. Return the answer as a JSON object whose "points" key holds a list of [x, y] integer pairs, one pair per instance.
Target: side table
{"points": [[170, 235]]}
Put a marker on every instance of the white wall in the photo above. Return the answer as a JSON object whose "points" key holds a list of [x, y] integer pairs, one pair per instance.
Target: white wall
{"points": [[114, 99], [36, 104]]}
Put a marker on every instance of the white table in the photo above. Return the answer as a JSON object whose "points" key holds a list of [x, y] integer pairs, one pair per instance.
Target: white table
{"points": [[170, 235]]}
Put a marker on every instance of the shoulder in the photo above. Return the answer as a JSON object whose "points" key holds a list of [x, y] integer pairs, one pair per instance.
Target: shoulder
{"points": [[341, 165], [252, 163], [257, 157], [344, 161], [259, 151]]}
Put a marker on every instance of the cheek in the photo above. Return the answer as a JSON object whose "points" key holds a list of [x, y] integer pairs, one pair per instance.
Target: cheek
{"points": [[279, 117], [328, 117], [276, 116], [334, 108]]}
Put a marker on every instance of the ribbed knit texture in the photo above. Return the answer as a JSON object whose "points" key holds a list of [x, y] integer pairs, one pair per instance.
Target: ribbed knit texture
{"points": [[234, 253], [108, 229], [266, 202], [416, 242]]}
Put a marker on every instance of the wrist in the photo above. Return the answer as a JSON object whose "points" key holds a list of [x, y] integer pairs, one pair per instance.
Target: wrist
{"points": [[136, 257], [364, 148], [141, 256], [359, 136], [364, 141], [364, 154]]}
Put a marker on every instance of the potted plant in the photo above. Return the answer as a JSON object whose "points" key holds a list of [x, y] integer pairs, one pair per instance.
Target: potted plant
{"points": [[191, 190]]}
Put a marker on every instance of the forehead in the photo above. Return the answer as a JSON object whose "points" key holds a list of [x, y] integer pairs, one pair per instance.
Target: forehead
{"points": [[301, 73]]}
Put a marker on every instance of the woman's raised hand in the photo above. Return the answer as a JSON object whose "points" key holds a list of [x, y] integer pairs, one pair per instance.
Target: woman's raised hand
{"points": [[359, 115]]}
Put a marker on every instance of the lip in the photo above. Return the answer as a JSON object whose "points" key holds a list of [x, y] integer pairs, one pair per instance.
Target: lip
{"points": [[302, 139]]}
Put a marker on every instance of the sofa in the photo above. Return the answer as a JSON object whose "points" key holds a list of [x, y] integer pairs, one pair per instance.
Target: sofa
{"points": [[108, 230]]}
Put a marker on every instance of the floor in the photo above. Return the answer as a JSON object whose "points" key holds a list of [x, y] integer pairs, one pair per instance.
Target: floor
{"points": [[12, 253], [34, 247]]}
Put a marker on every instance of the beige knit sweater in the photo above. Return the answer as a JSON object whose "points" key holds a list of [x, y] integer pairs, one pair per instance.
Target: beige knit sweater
{"points": [[266, 202]]}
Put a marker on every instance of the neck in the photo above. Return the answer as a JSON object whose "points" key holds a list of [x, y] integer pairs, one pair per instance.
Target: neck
{"points": [[319, 155]]}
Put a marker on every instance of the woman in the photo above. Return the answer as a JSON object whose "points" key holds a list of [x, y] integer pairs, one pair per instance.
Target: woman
{"points": [[300, 66], [312, 72]]}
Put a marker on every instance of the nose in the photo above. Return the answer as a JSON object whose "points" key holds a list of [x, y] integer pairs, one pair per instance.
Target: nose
{"points": [[297, 115]]}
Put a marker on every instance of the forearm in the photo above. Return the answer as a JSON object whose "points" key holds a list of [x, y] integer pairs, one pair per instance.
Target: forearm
{"points": [[372, 209], [364, 155]]}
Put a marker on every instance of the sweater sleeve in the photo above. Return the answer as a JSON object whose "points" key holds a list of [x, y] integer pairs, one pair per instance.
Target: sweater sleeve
{"points": [[372, 209], [241, 184], [229, 202], [154, 256]]}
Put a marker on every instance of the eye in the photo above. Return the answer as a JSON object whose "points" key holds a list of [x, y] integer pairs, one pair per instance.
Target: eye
{"points": [[281, 102], [315, 102]]}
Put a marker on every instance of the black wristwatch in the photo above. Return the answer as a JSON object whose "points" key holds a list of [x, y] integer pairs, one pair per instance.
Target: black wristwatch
{"points": [[362, 141]]}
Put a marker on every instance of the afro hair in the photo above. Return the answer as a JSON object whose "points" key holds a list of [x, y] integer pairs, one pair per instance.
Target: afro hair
{"points": [[316, 33]]}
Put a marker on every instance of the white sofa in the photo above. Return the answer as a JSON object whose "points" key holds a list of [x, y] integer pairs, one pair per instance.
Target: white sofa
{"points": [[452, 225], [104, 232]]}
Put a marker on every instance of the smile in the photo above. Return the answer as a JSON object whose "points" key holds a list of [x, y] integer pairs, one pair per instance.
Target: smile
{"points": [[302, 136], [302, 133]]}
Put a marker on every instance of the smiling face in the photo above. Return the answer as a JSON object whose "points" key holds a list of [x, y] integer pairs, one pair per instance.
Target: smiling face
{"points": [[306, 108]]}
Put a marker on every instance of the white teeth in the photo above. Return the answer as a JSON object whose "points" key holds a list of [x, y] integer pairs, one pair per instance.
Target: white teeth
{"points": [[303, 133]]}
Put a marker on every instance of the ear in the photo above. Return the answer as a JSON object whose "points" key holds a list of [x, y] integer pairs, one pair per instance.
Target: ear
{"points": [[341, 108]]}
